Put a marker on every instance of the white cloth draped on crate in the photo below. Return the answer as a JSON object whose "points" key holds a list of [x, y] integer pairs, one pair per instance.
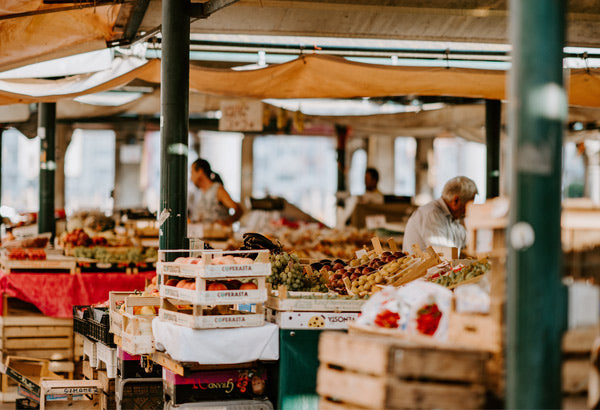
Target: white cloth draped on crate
{"points": [[217, 346]]}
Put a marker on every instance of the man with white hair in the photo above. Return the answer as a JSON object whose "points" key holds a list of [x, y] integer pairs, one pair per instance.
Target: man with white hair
{"points": [[440, 222]]}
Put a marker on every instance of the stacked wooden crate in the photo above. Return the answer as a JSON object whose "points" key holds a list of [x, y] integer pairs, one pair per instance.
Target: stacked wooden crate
{"points": [[26, 332], [376, 372]]}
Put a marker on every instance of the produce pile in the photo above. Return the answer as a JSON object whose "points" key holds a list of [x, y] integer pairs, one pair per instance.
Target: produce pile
{"points": [[460, 273], [32, 254], [361, 275], [132, 254], [287, 270], [312, 242]]}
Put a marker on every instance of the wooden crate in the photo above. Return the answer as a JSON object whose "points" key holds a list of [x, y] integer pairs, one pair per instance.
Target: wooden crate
{"points": [[37, 336], [71, 394], [579, 375], [194, 316], [486, 225], [388, 373]]}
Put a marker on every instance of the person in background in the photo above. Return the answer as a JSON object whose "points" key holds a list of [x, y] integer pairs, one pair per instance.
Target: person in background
{"points": [[208, 201], [372, 194], [440, 222]]}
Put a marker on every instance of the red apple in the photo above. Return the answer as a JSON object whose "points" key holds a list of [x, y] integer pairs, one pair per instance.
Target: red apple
{"points": [[172, 282], [216, 286]]}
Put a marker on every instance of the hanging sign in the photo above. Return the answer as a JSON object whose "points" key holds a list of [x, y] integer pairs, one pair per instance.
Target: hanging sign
{"points": [[239, 115]]}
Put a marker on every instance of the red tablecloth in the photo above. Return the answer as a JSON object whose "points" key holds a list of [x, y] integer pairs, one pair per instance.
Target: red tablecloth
{"points": [[55, 294]]}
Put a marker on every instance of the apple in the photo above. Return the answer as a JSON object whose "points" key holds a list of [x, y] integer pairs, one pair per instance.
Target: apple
{"points": [[216, 286], [171, 282], [248, 286], [154, 280], [338, 266], [181, 284]]}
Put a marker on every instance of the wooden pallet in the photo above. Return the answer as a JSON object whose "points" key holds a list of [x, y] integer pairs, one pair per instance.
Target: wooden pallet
{"points": [[387, 373]]}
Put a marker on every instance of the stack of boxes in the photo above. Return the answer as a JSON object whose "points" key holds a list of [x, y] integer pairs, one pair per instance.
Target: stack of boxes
{"points": [[207, 292]]}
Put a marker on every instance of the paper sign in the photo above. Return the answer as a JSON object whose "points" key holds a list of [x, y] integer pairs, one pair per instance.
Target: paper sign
{"points": [[375, 221], [240, 115]]}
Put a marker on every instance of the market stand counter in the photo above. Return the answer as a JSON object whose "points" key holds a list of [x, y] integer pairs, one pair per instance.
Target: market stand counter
{"points": [[55, 294]]}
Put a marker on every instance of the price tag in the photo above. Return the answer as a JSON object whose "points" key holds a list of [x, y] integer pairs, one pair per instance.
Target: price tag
{"points": [[375, 221], [360, 253]]}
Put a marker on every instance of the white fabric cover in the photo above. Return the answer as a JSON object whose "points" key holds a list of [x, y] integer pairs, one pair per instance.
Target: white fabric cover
{"points": [[217, 346]]}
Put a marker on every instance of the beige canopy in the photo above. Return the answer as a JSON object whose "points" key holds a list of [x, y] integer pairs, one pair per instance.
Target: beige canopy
{"points": [[321, 76], [28, 39]]}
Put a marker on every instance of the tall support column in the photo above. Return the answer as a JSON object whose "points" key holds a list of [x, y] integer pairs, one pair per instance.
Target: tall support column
{"points": [[423, 185], [63, 139], [342, 138], [175, 75], [247, 168], [493, 121], [536, 314], [46, 132]]}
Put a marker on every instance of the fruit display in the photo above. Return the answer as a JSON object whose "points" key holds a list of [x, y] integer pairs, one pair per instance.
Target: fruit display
{"points": [[311, 242], [213, 285], [33, 254], [361, 274], [461, 273], [287, 270], [131, 254]]}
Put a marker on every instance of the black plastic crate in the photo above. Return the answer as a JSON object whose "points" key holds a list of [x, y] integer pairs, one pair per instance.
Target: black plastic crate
{"points": [[99, 325], [26, 404], [140, 394], [132, 369], [80, 320]]}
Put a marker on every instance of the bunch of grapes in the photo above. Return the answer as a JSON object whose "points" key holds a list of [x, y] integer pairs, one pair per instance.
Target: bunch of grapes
{"points": [[286, 270], [316, 283]]}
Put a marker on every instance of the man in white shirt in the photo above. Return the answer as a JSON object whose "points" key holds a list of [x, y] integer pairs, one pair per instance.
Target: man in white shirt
{"points": [[440, 222]]}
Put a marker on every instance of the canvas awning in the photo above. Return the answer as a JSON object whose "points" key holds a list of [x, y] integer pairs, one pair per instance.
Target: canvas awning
{"points": [[28, 39], [310, 76]]}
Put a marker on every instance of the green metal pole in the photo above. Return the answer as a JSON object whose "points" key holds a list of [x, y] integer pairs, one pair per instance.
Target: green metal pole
{"points": [[175, 75], [492, 143], [536, 309], [46, 132]]}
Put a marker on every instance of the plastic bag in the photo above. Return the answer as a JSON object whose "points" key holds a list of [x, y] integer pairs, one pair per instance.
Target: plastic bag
{"points": [[382, 310], [428, 307]]}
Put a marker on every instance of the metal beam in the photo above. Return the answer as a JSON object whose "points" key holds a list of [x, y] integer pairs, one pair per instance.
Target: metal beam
{"points": [[536, 304], [174, 123], [46, 132], [493, 122]]}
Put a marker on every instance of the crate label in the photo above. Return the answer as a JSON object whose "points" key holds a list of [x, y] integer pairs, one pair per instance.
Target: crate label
{"points": [[169, 316], [22, 380], [164, 268], [311, 320], [229, 319], [72, 390], [170, 292]]}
